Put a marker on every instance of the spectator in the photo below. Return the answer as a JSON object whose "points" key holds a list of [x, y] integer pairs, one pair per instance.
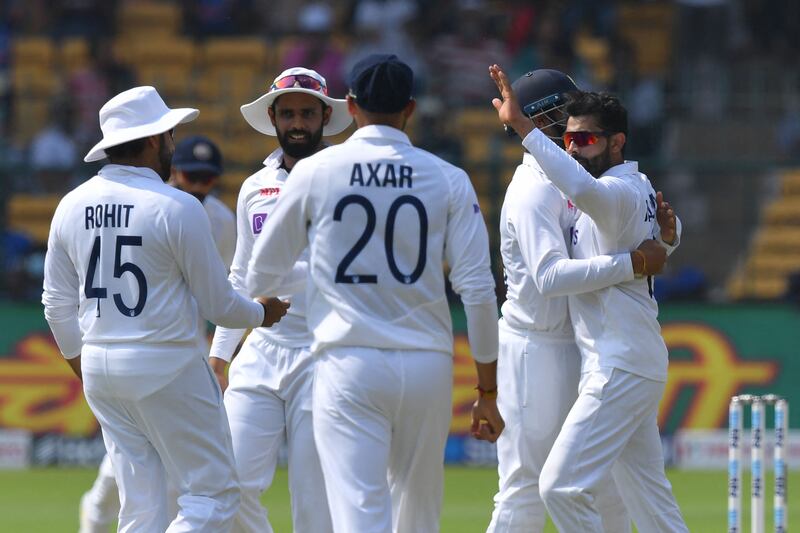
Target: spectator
{"points": [[380, 27], [92, 85], [315, 49], [459, 60], [53, 154]]}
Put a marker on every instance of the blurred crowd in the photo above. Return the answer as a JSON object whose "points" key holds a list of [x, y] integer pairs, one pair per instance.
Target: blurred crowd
{"points": [[449, 43]]}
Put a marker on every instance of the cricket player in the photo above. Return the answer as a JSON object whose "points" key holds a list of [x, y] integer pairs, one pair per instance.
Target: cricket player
{"points": [[268, 400], [196, 168], [380, 217], [612, 425], [130, 264], [539, 363]]}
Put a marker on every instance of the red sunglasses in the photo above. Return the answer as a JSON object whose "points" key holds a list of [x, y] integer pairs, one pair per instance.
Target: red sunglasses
{"points": [[300, 80], [583, 138]]}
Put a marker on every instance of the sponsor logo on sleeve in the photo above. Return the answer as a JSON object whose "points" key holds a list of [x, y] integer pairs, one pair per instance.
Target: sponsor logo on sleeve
{"points": [[270, 191], [258, 222]]}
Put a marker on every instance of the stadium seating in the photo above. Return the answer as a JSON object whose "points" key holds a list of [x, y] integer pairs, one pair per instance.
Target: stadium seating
{"points": [[774, 252]]}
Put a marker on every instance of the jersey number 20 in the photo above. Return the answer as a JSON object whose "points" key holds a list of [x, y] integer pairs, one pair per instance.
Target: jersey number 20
{"points": [[391, 218], [119, 269]]}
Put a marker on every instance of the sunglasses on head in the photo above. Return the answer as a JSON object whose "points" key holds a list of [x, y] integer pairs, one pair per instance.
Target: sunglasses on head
{"points": [[300, 80], [583, 138]]}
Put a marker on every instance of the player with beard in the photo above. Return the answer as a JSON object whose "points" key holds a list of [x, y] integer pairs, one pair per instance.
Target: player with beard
{"points": [[196, 168], [268, 399], [130, 269], [611, 428]]}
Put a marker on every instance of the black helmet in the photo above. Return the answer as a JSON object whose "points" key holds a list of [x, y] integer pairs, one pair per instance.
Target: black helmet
{"points": [[542, 91]]}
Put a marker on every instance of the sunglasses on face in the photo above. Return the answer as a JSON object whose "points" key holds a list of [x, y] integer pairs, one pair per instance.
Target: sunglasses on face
{"points": [[300, 80], [583, 138]]}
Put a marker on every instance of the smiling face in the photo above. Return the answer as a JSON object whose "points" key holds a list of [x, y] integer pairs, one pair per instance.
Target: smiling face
{"points": [[298, 119], [596, 158]]}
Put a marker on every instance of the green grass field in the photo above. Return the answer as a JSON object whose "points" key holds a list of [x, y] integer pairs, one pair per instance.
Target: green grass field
{"points": [[46, 500]]}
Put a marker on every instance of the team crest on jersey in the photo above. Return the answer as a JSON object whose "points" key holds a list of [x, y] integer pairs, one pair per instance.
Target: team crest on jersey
{"points": [[570, 205], [258, 222], [270, 191], [476, 208]]}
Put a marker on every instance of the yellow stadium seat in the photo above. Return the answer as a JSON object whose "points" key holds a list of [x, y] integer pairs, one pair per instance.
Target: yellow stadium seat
{"points": [[147, 18], [31, 214], [30, 51], [170, 80], [790, 183], [163, 51], [783, 211], [32, 81], [477, 119], [765, 288], [251, 52], [74, 54], [30, 116]]}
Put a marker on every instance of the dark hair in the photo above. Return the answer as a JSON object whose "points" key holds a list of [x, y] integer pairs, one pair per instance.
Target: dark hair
{"points": [[200, 176], [126, 150], [609, 112]]}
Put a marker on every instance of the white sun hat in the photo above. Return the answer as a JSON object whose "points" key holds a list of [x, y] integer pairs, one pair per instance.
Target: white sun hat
{"points": [[135, 114], [297, 80]]}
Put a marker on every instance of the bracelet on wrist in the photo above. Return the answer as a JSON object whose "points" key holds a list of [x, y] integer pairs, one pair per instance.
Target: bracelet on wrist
{"points": [[644, 262], [491, 394]]}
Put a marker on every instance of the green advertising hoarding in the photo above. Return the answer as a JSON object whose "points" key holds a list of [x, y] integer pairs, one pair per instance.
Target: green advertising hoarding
{"points": [[716, 351]]}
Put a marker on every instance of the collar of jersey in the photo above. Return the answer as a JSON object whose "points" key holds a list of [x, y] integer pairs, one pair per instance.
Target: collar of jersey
{"points": [[623, 169], [374, 131], [122, 171], [274, 159]]}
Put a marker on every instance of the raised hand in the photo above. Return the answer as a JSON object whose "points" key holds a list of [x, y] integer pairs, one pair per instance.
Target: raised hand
{"points": [[665, 216], [508, 109]]}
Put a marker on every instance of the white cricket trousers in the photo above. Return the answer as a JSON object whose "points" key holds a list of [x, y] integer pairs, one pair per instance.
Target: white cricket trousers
{"points": [[611, 428], [268, 401], [177, 432], [100, 505], [381, 419], [538, 375]]}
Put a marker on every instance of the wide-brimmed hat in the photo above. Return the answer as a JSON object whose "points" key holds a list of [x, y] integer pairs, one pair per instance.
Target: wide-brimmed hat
{"points": [[135, 114], [297, 80]]}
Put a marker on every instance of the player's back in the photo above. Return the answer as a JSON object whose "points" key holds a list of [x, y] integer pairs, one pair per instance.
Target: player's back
{"points": [[126, 233], [383, 220]]}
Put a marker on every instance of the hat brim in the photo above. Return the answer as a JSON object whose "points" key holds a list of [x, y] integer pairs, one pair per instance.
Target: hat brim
{"points": [[255, 113], [168, 121]]}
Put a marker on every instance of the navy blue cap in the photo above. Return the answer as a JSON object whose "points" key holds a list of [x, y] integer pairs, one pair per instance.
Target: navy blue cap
{"points": [[197, 154], [381, 83]]}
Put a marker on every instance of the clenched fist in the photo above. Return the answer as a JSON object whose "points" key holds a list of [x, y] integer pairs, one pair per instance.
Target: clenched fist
{"points": [[274, 310]]}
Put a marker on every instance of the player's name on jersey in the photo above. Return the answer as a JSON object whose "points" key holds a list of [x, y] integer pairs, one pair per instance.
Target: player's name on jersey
{"points": [[108, 216], [381, 175]]}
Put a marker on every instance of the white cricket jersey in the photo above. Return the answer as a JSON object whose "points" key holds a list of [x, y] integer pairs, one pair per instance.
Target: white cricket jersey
{"points": [[223, 227], [616, 326], [130, 260], [536, 223], [257, 199], [380, 217]]}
